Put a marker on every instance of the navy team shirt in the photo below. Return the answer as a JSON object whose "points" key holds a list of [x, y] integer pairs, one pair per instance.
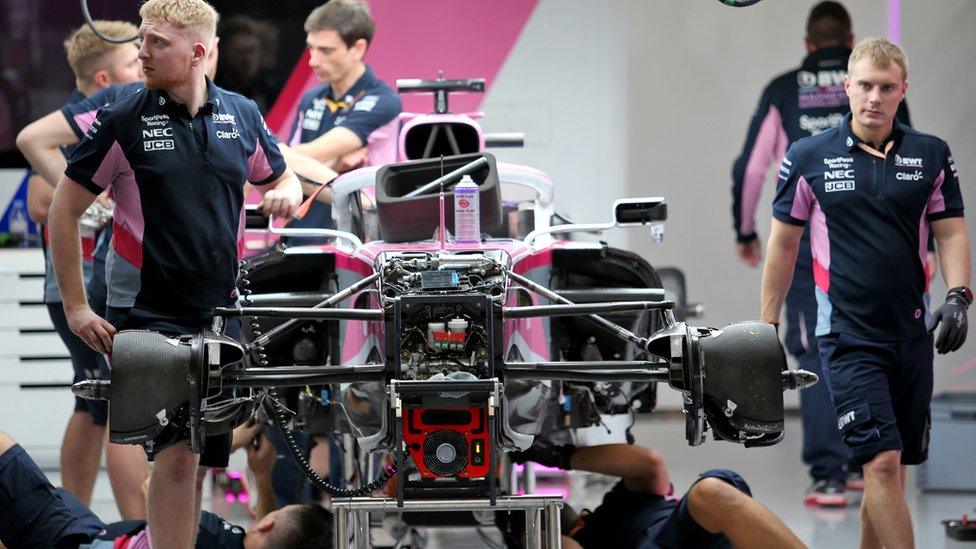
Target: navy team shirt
{"points": [[178, 187], [369, 109], [869, 213], [796, 104], [81, 111], [367, 106]]}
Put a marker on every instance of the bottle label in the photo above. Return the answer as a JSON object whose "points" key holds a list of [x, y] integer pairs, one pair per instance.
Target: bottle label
{"points": [[467, 214]]}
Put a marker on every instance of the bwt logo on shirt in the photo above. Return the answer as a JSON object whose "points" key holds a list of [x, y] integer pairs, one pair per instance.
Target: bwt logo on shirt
{"points": [[222, 118], [908, 161], [820, 79], [845, 420]]}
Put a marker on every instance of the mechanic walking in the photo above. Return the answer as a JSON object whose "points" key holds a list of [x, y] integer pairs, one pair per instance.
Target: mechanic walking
{"points": [[870, 190], [797, 104], [177, 154]]}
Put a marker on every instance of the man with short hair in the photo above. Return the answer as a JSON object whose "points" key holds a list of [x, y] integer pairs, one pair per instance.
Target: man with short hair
{"points": [[802, 102], [871, 189], [718, 511], [96, 64], [176, 154], [350, 120], [35, 514]]}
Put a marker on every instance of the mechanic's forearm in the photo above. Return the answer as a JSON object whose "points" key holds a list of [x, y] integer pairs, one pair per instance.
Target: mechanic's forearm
{"points": [[622, 460], [287, 183], [330, 147], [776, 278], [307, 167], [324, 196], [325, 154], [46, 160], [39, 196], [66, 255], [954, 258], [266, 502]]}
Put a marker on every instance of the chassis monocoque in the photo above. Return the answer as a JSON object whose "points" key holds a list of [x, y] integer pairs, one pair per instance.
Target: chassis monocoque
{"points": [[433, 359]]}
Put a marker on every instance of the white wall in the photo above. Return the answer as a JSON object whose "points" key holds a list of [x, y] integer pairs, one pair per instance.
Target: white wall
{"points": [[696, 72], [564, 86], [645, 98]]}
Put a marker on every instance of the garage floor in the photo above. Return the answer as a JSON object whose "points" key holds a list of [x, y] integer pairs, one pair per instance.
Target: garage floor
{"points": [[775, 474]]}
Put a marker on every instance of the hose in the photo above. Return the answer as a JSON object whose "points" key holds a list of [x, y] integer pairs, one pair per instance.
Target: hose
{"points": [[88, 19], [279, 414]]}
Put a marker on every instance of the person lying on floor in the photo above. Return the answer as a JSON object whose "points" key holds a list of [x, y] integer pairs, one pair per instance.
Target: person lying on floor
{"points": [[718, 511], [33, 513]]}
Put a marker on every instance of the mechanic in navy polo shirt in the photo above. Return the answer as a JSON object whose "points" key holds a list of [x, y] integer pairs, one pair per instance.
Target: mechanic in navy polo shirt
{"points": [[177, 155], [871, 189], [95, 64], [802, 102], [350, 120], [35, 514]]}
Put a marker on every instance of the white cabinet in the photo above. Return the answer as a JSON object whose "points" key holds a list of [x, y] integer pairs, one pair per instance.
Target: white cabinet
{"points": [[35, 370]]}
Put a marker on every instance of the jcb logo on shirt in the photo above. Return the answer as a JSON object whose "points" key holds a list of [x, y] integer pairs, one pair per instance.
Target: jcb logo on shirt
{"points": [[832, 186], [158, 145]]}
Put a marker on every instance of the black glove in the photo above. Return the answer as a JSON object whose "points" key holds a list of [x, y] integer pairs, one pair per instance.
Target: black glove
{"points": [[952, 315], [546, 453]]}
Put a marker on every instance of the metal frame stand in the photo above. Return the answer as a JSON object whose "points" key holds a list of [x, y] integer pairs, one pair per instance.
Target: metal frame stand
{"points": [[542, 513]]}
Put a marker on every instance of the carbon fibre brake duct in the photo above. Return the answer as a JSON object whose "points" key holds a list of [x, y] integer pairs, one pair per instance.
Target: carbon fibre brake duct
{"points": [[160, 386]]}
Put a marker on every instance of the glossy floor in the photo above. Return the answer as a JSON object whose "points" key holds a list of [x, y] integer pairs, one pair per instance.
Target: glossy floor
{"points": [[775, 474]]}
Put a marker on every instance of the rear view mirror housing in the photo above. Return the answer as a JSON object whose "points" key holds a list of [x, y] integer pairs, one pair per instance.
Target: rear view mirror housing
{"points": [[630, 212]]}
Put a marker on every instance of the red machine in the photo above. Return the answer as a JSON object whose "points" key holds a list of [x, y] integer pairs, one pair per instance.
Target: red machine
{"points": [[448, 442]]}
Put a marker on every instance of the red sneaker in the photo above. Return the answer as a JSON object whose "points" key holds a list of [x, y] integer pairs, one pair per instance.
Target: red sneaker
{"points": [[826, 493]]}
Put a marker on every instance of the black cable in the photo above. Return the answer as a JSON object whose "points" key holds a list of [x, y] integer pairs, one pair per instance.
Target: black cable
{"points": [[278, 413], [319, 482], [88, 19]]}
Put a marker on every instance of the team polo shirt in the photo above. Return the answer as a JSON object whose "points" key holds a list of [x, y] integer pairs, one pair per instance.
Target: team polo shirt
{"points": [[178, 188], [80, 111], [369, 109], [796, 104], [869, 215], [367, 106]]}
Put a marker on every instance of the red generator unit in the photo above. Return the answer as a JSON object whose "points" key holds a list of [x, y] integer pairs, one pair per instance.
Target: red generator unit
{"points": [[448, 442]]}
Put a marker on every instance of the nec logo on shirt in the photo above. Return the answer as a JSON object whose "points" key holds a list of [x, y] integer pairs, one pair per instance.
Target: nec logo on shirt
{"points": [[831, 185], [152, 144]]}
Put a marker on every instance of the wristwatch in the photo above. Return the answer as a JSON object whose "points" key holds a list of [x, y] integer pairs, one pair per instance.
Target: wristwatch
{"points": [[962, 292]]}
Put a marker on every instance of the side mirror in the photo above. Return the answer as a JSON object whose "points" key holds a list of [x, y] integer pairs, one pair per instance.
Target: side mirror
{"points": [[629, 212]]}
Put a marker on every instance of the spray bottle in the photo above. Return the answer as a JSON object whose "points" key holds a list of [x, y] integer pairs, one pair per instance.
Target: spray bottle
{"points": [[467, 212]]}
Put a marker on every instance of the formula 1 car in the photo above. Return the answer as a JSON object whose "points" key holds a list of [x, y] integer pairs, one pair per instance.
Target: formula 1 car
{"points": [[432, 358]]}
